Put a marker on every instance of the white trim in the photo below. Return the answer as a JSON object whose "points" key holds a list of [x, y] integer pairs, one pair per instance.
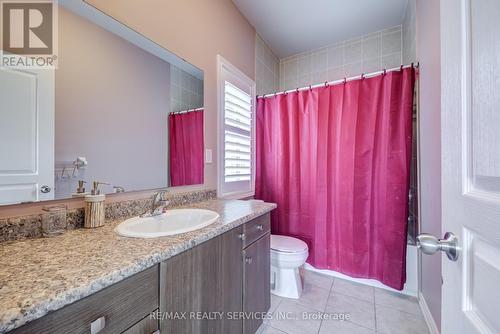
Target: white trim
{"points": [[223, 64], [429, 319]]}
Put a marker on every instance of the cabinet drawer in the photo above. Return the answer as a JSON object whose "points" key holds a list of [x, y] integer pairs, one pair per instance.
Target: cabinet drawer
{"points": [[117, 307], [255, 229], [148, 325]]}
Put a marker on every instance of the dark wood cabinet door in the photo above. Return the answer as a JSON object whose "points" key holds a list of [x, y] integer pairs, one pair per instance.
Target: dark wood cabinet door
{"points": [[205, 279], [256, 282], [231, 281], [189, 284]]}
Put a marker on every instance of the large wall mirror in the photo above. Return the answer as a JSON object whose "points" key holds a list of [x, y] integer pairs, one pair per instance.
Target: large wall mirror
{"points": [[119, 109]]}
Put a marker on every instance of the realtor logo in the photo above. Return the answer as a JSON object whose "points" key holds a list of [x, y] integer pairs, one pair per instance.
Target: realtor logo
{"points": [[28, 33]]}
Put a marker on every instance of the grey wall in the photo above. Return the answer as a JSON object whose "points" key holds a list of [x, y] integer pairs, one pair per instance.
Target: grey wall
{"points": [[112, 101], [428, 54]]}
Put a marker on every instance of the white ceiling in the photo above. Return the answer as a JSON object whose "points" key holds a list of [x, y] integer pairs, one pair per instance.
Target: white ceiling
{"points": [[294, 26]]}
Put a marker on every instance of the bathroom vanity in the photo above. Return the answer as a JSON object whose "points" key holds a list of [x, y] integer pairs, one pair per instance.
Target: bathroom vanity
{"points": [[197, 282]]}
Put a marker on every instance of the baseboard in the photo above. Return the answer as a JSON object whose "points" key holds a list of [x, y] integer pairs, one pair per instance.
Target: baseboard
{"points": [[429, 319]]}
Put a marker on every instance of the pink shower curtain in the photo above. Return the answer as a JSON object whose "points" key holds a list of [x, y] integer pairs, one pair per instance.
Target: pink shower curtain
{"points": [[336, 160], [186, 148]]}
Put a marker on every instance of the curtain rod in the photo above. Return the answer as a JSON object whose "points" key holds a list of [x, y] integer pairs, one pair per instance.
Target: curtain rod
{"points": [[185, 111], [336, 82]]}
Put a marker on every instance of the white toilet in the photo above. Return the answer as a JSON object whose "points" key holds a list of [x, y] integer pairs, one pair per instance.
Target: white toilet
{"points": [[287, 255]]}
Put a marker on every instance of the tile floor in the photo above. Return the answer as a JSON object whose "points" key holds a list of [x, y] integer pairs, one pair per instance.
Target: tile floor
{"points": [[370, 310]]}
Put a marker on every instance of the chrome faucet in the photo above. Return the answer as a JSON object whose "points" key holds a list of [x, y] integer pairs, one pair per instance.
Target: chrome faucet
{"points": [[158, 205]]}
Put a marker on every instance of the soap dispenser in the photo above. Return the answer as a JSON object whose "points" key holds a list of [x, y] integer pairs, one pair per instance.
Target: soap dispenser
{"points": [[94, 207], [80, 191]]}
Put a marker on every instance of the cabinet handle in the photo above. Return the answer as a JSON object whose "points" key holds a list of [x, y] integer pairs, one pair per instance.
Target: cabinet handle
{"points": [[242, 236], [249, 260], [97, 325], [260, 227]]}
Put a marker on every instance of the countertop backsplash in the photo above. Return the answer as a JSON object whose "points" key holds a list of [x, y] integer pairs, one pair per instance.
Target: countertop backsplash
{"points": [[36, 225]]}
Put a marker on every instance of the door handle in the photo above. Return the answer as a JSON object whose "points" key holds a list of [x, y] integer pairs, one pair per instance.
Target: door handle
{"points": [[45, 189], [429, 245]]}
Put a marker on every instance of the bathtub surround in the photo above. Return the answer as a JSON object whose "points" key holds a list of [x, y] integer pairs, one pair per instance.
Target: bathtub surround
{"points": [[342, 177], [365, 54], [55, 272], [30, 226]]}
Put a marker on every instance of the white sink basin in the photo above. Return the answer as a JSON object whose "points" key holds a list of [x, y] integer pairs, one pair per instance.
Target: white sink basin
{"points": [[172, 222]]}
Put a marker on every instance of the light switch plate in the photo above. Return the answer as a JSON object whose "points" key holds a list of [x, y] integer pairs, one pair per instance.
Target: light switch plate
{"points": [[208, 156]]}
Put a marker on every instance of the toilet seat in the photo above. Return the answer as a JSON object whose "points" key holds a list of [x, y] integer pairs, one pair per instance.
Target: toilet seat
{"points": [[284, 244]]}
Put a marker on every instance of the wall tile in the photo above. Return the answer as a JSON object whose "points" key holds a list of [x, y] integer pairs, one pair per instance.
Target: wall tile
{"points": [[335, 56], [392, 60], [320, 60], [372, 47], [371, 65], [353, 52], [353, 69], [304, 65], [267, 68], [369, 53], [186, 91], [391, 42]]}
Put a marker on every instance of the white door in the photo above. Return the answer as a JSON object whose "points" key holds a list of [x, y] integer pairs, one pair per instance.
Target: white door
{"points": [[470, 62], [26, 135]]}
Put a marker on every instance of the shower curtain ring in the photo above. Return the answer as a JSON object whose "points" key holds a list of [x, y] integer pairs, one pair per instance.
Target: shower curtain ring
{"points": [[310, 88], [345, 81], [362, 76], [401, 68], [297, 90], [326, 83], [385, 71]]}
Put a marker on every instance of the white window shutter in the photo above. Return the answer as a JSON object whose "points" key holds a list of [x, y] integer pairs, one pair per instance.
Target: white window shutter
{"points": [[236, 174]]}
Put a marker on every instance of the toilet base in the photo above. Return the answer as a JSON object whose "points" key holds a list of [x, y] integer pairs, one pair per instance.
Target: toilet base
{"points": [[286, 282]]}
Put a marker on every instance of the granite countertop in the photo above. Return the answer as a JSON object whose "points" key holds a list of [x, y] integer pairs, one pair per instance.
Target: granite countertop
{"points": [[41, 275]]}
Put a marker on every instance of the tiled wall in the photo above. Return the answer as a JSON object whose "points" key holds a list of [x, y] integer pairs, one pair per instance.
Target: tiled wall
{"points": [[369, 53], [410, 33], [186, 91], [266, 68]]}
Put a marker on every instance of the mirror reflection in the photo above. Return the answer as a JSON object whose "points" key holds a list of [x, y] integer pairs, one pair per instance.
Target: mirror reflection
{"points": [[119, 109]]}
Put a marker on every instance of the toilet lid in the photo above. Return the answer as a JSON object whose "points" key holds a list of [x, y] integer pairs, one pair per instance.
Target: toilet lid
{"points": [[282, 243]]}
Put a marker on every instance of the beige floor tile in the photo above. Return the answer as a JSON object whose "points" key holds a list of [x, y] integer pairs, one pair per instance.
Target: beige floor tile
{"points": [[275, 301], [312, 278], [342, 327], [294, 318], [357, 290], [266, 329], [361, 312], [313, 297], [398, 301], [392, 321]]}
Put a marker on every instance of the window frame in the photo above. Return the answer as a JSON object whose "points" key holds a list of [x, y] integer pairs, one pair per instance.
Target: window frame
{"points": [[228, 72]]}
